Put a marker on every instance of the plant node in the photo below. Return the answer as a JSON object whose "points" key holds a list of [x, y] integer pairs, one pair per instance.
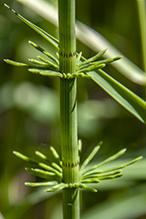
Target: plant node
{"points": [[89, 176]]}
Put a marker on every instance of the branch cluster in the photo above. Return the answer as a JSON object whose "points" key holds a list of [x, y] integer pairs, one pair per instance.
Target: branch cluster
{"points": [[50, 66], [89, 176]]}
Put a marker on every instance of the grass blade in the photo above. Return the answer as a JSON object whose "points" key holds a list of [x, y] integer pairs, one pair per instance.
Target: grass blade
{"points": [[130, 101], [97, 42], [40, 31]]}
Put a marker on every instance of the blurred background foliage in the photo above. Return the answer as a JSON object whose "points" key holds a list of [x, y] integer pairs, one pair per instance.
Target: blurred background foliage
{"points": [[29, 115]]}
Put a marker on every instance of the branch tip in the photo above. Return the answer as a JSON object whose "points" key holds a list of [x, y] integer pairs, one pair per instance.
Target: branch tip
{"points": [[6, 5]]}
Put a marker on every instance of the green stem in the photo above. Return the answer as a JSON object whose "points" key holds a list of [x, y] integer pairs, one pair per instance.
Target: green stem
{"points": [[142, 20], [68, 108], [67, 36], [68, 120], [71, 203]]}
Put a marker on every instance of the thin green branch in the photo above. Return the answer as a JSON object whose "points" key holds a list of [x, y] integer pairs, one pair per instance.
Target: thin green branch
{"points": [[91, 155], [50, 63], [93, 58], [44, 157], [44, 52], [18, 64], [41, 184], [57, 188], [41, 173], [42, 165], [115, 156], [40, 31]]}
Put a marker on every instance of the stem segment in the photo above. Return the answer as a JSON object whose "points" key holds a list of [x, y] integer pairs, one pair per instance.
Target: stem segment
{"points": [[68, 119], [68, 108], [67, 36]]}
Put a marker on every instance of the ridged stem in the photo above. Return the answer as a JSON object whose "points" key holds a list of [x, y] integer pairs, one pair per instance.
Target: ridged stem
{"points": [[68, 108], [68, 125], [67, 36], [71, 203]]}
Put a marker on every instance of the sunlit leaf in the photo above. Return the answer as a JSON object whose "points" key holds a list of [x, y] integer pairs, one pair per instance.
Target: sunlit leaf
{"points": [[121, 94]]}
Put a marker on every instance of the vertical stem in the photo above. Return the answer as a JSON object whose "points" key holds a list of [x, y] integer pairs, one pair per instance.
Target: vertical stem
{"points": [[68, 119], [71, 204], [142, 20], [67, 36], [68, 108]]}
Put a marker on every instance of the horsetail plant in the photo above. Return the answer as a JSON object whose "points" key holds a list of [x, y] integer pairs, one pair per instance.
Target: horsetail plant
{"points": [[66, 173]]}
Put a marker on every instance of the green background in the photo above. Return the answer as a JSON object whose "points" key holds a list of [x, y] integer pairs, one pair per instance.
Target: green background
{"points": [[29, 115]]}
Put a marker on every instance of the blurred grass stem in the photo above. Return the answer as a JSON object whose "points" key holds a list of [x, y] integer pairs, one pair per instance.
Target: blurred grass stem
{"points": [[142, 19]]}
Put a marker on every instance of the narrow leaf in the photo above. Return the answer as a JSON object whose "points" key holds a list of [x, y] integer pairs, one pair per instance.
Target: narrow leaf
{"points": [[94, 41], [35, 61], [97, 56], [90, 189], [25, 158], [101, 176], [120, 166], [77, 75], [97, 42], [49, 63], [44, 52], [105, 61], [54, 152], [41, 184], [34, 70], [91, 155], [55, 155], [57, 187], [79, 145], [111, 176], [130, 101], [51, 73], [18, 64], [44, 166], [113, 157], [92, 67], [78, 57], [44, 157], [41, 173], [90, 181], [40, 31]]}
